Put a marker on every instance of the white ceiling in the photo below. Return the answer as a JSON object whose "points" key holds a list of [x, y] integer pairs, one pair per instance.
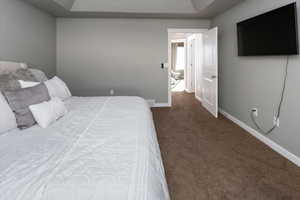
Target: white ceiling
{"points": [[135, 8]]}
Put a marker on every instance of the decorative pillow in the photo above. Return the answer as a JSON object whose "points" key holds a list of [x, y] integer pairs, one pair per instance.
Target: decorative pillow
{"points": [[55, 86], [27, 84], [7, 82], [20, 100], [23, 74], [48, 112], [10, 81], [8, 119], [7, 67], [58, 88], [38, 75]]}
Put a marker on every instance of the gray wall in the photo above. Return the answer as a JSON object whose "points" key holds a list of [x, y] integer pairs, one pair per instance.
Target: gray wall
{"points": [[27, 35], [94, 55], [247, 82]]}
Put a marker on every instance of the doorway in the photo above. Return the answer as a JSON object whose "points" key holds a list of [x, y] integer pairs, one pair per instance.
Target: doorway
{"points": [[193, 66], [178, 63]]}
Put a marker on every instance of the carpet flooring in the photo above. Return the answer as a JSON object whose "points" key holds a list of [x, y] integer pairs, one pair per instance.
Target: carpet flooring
{"points": [[214, 159]]}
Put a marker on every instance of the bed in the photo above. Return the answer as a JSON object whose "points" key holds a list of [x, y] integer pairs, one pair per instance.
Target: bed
{"points": [[104, 148]]}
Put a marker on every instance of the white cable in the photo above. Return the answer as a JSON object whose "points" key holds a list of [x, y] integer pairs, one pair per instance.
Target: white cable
{"points": [[279, 105]]}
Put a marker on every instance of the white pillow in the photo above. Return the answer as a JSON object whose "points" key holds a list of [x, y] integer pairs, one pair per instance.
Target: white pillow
{"points": [[56, 87], [48, 112], [27, 84], [7, 117]]}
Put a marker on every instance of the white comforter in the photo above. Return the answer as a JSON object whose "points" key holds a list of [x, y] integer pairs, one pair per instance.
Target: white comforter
{"points": [[104, 149]]}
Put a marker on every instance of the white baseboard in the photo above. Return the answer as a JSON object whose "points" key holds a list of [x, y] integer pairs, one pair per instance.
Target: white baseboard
{"points": [[188, 91], [198, 98], [152, 103], [161, 105], [276, 147]]}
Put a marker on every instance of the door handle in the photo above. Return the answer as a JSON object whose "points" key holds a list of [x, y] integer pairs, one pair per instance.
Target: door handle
{"points": [[213, 77]]}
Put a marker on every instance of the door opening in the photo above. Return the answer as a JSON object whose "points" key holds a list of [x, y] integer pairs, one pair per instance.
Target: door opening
{"points": [[193, 66], [178, 64]]}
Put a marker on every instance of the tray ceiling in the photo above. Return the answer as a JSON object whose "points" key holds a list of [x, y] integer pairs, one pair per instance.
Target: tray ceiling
{"points": [[135, 8]]}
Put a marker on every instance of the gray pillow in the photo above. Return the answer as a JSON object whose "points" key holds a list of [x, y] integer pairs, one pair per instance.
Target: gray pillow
{"points": [[38, 75], [19, 100], [10, 81], [7, 67], [7, 82]]}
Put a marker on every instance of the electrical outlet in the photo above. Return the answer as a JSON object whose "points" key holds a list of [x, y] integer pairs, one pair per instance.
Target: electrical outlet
{"points": [[112, 92], [151, 102], [254, 112], [276, 121]]}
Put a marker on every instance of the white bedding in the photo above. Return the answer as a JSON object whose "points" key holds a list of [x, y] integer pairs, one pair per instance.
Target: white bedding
{"points": [[103, 149]]}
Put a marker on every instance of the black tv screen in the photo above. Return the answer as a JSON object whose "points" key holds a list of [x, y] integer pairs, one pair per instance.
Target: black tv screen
{"points": [[272, 33]]}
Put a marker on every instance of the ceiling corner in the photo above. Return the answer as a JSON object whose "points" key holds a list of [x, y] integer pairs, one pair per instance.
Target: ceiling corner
{"points": [[199, 5], [67, 4]]}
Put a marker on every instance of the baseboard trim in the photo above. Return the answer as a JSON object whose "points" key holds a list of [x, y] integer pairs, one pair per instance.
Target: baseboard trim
{"points": [[152, 103], [276, 147], [198, 98], [161, 105], [188, 91]]}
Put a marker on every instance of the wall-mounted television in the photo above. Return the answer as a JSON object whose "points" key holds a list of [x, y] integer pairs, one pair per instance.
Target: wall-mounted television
{"points": [[272, 33]]}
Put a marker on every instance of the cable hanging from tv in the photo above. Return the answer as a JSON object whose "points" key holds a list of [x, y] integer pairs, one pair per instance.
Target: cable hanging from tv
{"points": [[278, 113]]}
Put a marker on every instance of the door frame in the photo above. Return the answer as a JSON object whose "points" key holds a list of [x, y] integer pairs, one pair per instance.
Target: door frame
{"points": [[172, 31]]}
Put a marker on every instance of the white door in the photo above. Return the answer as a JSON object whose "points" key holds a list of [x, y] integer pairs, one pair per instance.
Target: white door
{"points": [[190, 71], [210, 71], [198, 67], [193, 71]]}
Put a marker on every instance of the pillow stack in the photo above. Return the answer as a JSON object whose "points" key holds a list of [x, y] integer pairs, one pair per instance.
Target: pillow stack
{"points": [[24, 101]]}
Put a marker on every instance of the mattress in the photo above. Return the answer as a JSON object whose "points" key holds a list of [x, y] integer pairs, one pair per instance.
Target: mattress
{"points": [[104, 148]]}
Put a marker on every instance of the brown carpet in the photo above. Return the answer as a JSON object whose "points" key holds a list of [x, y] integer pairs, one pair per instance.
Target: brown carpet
{"points": [[214, 159]]}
